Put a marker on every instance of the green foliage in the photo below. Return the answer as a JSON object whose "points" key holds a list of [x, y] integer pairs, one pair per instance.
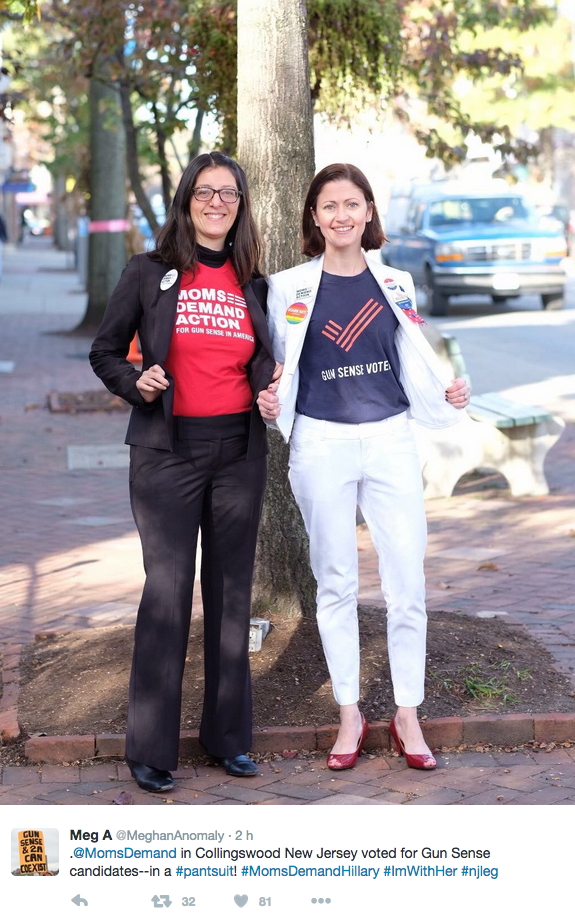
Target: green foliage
{"points": [[539, 94], [28, 10], [178, 58], [53, 98], [447, 40], [355, 49]]}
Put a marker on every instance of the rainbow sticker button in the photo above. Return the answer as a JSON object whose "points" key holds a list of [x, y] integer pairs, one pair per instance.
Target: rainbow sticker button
{"points": [[296, 313]]}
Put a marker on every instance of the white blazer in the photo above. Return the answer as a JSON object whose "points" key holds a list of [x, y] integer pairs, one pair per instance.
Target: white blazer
{"points": [[291, 298]]}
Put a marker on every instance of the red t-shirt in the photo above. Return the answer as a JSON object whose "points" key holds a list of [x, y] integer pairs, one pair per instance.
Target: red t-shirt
{"points": [[212, 341]]}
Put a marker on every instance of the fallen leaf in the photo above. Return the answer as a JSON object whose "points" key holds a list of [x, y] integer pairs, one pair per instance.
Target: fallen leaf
{"points": [[444, 585], [124, 798], [488, 565]]}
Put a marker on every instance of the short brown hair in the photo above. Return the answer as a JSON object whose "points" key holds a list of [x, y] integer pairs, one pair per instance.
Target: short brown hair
{"points": [[313, 243]]}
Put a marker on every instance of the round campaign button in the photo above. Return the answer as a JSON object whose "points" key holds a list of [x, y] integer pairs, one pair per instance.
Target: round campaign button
{"points": [[296, 313], [168, 279]]}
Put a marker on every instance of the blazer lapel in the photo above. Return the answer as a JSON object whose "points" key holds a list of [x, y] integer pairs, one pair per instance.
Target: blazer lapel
{"points": [[382, 275], [302, 294], [414, 335], [164, 307], [257, 317]]}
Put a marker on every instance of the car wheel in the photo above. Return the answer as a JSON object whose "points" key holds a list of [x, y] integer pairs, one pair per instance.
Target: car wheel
{"points": [[498, 298], [553, 301], [437, 301]]}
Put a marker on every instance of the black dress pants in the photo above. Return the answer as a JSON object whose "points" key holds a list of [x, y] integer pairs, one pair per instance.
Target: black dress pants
{"points": [[205, 483]]}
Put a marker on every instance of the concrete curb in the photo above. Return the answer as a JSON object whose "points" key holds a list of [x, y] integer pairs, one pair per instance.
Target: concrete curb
{"points": [[451, 732], [9, 726]]}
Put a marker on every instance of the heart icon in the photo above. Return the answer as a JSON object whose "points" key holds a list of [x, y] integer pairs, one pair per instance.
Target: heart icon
{"points": [[241, 899]]}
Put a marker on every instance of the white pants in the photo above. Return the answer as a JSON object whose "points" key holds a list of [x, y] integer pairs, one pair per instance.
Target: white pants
{"points": [[333, 468]]}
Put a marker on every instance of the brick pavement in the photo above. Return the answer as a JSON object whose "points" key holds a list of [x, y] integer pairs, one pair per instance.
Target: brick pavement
{"points": [[525, 777], [69, 554]]}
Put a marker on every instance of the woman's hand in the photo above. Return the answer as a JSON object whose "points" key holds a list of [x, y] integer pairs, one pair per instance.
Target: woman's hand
{"points": [[269, 403], [152, 382], [278, 371], [459, 393]]}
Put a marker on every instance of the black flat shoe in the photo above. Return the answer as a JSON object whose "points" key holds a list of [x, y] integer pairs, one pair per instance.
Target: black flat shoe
{"points": [[149, 778], [240, 765]]}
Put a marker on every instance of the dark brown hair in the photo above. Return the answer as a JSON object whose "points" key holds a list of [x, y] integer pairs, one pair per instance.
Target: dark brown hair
{"points": [[176, 241], [313, 243]]}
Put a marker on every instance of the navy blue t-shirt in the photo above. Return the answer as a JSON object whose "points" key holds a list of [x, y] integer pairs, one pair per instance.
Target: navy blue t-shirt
{"points": [[349, 366]]}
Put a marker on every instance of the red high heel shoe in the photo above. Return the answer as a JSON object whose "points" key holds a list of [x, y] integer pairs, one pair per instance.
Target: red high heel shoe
{"points": [[417, 761], [346, 761]]}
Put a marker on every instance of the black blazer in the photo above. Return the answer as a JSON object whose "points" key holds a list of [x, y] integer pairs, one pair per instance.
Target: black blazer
{"points": [[138, 304]]}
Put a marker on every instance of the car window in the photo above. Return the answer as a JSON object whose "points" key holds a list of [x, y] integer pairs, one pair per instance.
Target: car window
{"points": [[419, 215], [411, 219], [450, 211]]}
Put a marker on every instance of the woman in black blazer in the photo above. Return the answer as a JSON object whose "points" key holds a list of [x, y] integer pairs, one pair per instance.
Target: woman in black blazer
{"points": [[198, 458]]}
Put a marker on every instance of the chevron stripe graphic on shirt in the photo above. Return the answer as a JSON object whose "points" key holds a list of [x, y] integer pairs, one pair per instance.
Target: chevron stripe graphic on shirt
{"points": [[355, 327], [332, 330]]}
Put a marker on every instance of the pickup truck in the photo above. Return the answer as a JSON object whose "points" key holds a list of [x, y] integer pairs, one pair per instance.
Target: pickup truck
{"points": [[456, 240]]}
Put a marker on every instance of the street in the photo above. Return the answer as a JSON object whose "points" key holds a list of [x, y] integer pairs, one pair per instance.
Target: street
{"points": [[517, 347]]}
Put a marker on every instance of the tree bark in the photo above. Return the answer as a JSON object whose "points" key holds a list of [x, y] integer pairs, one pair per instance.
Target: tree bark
{"points": [[275, 130], [547, 155], [275, 147], [162, 159], [107, 250], [132, 159], [196, 141]]}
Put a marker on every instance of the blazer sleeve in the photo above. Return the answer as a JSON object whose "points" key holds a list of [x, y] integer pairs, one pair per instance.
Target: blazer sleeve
{"points": [[120, 323]]}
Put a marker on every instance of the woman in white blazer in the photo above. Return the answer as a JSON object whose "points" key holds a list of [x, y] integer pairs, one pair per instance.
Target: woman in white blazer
{"points": [[357, 369]]}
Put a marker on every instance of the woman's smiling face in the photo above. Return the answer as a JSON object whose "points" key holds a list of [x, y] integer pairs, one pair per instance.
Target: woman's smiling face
{"points": [[214, 219], [341, 213]]}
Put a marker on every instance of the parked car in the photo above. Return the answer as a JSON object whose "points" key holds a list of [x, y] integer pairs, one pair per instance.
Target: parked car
{"points": [[457, 240]]}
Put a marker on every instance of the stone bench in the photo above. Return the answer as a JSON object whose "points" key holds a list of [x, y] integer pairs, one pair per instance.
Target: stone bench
{"points": [[496, 433]]}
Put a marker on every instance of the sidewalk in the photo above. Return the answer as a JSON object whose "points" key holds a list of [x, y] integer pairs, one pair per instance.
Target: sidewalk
{"points": [[70, 559]]}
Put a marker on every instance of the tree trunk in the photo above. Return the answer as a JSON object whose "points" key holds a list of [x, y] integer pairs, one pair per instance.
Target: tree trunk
{"points": [[132, 159], [61, 221], [275, 147], [162, 159], [107, 248], [547, 155], [275, 122], [196, 141]]}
